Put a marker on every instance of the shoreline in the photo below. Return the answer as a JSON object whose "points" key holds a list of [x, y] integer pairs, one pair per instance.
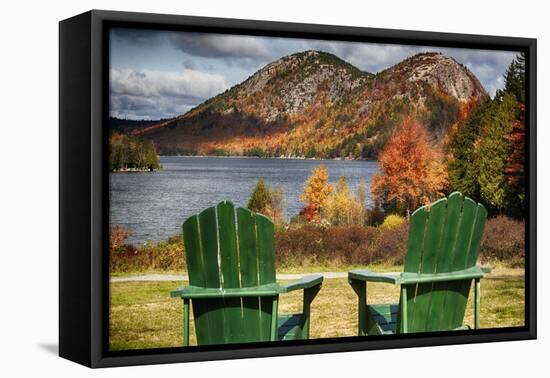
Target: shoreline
{"points": [[134, 170], [272, 157]]}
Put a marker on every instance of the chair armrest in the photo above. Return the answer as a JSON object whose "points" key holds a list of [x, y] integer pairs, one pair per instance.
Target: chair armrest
{"points": [[304, 283], [407, 278], [197, 292], [368, 276], [465, 274]]}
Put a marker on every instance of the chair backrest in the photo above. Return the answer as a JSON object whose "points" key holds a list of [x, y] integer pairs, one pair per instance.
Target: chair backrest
{"points": [[444, 237], [227, 251]]}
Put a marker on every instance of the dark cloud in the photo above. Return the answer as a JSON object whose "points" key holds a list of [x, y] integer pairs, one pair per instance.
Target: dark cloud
{"points": [[219, 46], [136, 107], [137, 36], [157, 94]]}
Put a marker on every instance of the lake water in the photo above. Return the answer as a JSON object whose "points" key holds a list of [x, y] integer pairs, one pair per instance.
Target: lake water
{"points": [[153, 205]]}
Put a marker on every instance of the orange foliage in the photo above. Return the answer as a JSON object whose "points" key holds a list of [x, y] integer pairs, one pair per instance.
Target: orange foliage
{"points": [[412, 171], [316, 192]]}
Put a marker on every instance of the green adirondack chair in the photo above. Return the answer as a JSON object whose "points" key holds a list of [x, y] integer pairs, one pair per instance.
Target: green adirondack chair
{"points": [[231, 266], [440, 265]]}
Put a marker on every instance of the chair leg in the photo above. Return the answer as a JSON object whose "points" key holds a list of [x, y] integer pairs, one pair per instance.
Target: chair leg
{"points": [[309, 295], [477, 304], [360, 288], [403, 310], [274, 318], [186, 322]]}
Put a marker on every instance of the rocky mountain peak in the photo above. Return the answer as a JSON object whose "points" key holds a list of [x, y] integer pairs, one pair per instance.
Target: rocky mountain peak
{"points": [[440, 72], [292, 83]]}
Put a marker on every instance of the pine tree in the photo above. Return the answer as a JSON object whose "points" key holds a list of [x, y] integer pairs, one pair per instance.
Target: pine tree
{"points": [[260, 199], [514, 78], [462, 171], [492, 151], [267, 201]]}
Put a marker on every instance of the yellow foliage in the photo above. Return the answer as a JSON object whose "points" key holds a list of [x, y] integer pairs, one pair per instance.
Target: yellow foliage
{"points": [[392, 221], [317, 188], [342, 207]]}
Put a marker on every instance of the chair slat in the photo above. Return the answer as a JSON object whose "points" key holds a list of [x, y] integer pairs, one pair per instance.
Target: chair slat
{"points": [[195, 268], [477, 234], [420, 303], [266, 266], [438, 311], [415, 243], [232, 307], [210, 242], [248, 263]]}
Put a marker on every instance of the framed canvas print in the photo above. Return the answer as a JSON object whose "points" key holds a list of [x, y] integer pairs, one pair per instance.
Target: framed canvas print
{"points": [[234, 188]]}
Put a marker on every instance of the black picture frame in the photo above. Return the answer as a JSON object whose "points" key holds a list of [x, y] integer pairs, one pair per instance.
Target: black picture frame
{"points": [[83, 182]]}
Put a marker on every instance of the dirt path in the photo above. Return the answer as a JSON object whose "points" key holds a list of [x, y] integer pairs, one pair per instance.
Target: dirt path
{"points": [[183, 277]]}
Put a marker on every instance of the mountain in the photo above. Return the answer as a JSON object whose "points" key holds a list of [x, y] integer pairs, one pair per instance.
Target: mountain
{"points": [[131, 125], [314, 104]]}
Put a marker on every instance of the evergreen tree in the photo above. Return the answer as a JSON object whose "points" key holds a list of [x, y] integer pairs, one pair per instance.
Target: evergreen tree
{"points": [[514, 78], [493, 149], [267, 201], [260, 199], [462, 171]]}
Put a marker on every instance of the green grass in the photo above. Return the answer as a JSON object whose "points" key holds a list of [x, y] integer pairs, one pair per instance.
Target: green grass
{"points": [[142, 314]]}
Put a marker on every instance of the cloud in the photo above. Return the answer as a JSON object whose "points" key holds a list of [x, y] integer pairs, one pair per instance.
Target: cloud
{"points": [[136, 36], [220, 46], [158, 94]]}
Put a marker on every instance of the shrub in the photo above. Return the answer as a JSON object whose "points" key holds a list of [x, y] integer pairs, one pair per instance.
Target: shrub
{"points": [[340, 245], [165, 255], [504, 240], [304, 244], [117, 239], [392, 221]]}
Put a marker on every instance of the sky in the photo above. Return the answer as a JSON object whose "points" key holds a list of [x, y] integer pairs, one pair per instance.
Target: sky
{"points": [[162, 74]]}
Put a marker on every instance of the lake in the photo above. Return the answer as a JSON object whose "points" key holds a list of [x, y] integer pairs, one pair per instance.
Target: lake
{"points": [[153, 205]]}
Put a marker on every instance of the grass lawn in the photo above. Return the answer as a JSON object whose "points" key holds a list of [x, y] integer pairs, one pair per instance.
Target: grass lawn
{"points": [[142, 314]]}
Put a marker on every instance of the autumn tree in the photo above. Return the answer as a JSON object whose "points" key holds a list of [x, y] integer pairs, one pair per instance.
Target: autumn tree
{"points": [[515, 165], [342, 207], [412, 173], [316, 192]]}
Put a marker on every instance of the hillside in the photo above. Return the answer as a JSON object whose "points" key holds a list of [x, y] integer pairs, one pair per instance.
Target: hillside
{"points": [[314, 104]]}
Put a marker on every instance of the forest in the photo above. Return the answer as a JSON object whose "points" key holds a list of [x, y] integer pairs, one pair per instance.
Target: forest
{"points": [[127, 153]]}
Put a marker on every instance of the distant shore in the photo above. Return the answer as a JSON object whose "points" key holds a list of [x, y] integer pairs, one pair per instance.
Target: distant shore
{"points": [[271, 157], [130, 170]]}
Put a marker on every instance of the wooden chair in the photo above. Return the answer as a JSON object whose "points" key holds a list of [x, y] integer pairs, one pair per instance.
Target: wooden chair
{"points": [[231, 266], [440, 265]]}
